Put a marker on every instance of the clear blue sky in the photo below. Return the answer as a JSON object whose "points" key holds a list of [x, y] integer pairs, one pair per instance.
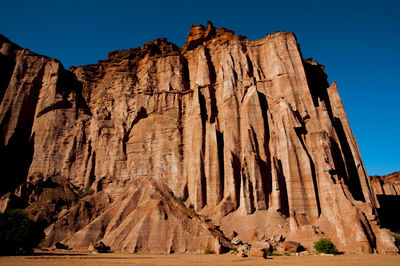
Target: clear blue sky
{"points": [[357, 41]]}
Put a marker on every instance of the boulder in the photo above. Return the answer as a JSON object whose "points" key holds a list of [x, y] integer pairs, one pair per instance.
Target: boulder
{"points": [[257, 252], [291, 246], [100, 247], [59, 245]]}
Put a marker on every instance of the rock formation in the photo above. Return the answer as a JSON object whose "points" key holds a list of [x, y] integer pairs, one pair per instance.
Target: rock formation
{"points": [[165, 149], [386, 185], [387, 191]]}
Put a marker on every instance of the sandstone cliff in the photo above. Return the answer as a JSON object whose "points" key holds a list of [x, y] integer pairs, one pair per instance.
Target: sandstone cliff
{"points": [[247, 133], [387, 192], [386, 185]]}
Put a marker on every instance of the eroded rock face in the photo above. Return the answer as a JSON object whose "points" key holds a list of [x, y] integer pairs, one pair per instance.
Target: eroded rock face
{"points": [[247, 132], [386, 185], [387, 193]]}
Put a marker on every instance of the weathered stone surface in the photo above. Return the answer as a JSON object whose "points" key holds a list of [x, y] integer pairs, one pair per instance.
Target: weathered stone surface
{"points": [[291, 246], [257, 252], [247, 132], [263, 245], [387, 192], [386, 185]]}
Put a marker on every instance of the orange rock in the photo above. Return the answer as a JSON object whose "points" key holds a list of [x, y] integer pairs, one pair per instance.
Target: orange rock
{"points": [[246, 132], [291, 246], [254, 252]]}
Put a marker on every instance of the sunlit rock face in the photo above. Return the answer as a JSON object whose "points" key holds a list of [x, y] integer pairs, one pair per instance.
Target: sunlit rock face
{"points": [[246, 133]]}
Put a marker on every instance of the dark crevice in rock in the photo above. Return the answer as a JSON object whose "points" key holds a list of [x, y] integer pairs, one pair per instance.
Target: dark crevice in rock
{"points": [[338, 161], [67, 83], [210, 65], [250, 71], [140, 115], [186, 75], [88, 157], [203, 115], [236, 166], [203, 184], [203, 110], [16, 156], [265, 166], [253, 140], [354, 179], [6, 69], [29, 105], [62, 104], [185, 191], [389, 204], [92, 176], [251, 196], [15, 160], [4, 127], [318, 83], [283, 195], [211, 89], [214, 108], [369, 233], [180, 128], [220, 144]]}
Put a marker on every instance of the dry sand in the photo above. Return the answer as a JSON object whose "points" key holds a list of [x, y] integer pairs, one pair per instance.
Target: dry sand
{"points": [[84, 258]]}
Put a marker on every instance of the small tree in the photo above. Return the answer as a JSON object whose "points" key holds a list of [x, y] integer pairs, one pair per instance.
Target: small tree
{"points": [[18, 233], [207, 249], [324, 245]]}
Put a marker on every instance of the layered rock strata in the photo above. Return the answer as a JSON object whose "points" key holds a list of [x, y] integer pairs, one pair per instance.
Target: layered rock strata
{"points": [[247, 133], [386, 185]]}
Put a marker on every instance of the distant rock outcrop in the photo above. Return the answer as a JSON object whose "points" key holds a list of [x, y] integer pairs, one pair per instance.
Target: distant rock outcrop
{"points": [[387, 192], [163, 149], [387, 184]]}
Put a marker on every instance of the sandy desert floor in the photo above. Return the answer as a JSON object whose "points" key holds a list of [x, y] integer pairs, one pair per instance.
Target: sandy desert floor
{"points": [[83, 258]]}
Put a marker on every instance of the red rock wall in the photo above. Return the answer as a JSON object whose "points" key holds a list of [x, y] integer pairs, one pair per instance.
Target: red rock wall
{"points": [[247, 131], [386, 185]]}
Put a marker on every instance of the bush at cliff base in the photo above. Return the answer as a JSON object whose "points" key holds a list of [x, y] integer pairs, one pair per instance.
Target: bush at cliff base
{"points": [[18, 233], [324, 245]]}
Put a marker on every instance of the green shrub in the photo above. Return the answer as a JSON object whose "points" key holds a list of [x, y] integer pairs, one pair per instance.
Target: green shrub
{"points": [[271, 253], [207, 249], [181, 199], [397, 242], [85, 192], [18, 233], [324, 245]]}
